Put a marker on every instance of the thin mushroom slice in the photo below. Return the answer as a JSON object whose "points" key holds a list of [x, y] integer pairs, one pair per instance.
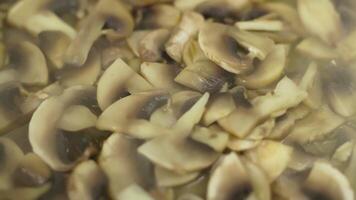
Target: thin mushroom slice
{"points": [[324, 181], [192, 53], [151, 46], [134, 192], [11, 156], [46, 139], [189, 197], [130, 115], [156, 16], [219, 106], [239, 145], [273, 157], [116, 81], [134, 40], [167, 178], [345, 47], [25, 193], [187, 28], [350, 169], [119, 158], [317, 49], [161, 75], [321, 19], [176, 151], [87, 181], [110, 12], [212, 136], [29, 62], [269, 71], [76, 118], [260, 25], [36, 17]]}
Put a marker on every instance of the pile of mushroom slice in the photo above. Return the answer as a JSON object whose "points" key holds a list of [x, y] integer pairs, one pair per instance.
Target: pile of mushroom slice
{"points": [[177, 99]]}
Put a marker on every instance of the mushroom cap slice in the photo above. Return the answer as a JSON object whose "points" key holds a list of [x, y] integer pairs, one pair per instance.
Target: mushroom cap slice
{"points": [[30, 64], [324, 181], [151, 46], [317, 49], [76, 118], [44, 138], [222, 9], [87, 181], [130, 115], [219, 106], [134, 192], [167, 178], [156, 16], [122, 164], [212, 136], [116, 81], [134, 40], [192, 53]]}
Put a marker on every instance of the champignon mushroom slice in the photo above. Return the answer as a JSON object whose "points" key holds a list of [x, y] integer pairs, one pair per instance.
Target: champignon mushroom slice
{"points": [[238, 145], [203, 76], [189, 197], [119, 158], [213, 136], [87, 181], [161, 75], [317, 49], [134, 40], [273, 157], [110, 12], [36, 17], [54, 44], [192, 53], [324, 181], [185, 5], [176, 151], [25, 193], [188, 27], [345, 47], [29, 62], [156, 16], [31, 171], [45, 137], [10, 156], [317, 125], [232, 49], [116, 81], [222, 9], [260, 25], [134, 192], [218, 107], [130, 115], [231, 179], [167, 178], [262, 131], [350, 169], [321, 19], [269, 70], [343, 152], [76, 118], [151, 47]]}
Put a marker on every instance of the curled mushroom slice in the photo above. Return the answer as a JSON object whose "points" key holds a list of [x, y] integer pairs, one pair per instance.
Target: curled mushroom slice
{"points": [[219, 106], [76, 118], [156, 16], [111, 13], [350, 169], [238, 145], [273, 157], [151, 46], [345, 47], [161, 75], [176, 151], [324, 181], [130, 115], [231, 48], [321, 19], [134, 40], [116, 81], [36, 16], [213, 137], [192, 53], [183, 32], [231, 179], [317, 49], [269, 70], [29, 62], [167, 178], [119, 158], [260, 25], [134, 192], [204, 76], [87, 181], [10, 155], [46, 139], [187, 4]]}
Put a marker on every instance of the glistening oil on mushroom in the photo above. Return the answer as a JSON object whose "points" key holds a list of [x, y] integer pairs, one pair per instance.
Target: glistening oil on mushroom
{"points": [[177, 99]]}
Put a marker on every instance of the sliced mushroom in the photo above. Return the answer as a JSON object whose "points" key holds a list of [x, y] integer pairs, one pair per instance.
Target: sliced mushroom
{"points": [[36, 17], [324, 181], [134, 40], [231, 179], [238, 145], [187, 4], [161, 75], [176, 151], [87, 181], [46, 139], [262, 131], [189, 197], [29, 62], [317, 49], [350, 169], [273, 157], [130, 115], [260, 25], [321, 19], [3, 55], [134, 192], [269, 70], [345, 47], [26, 193], [213, 136], [204, 76], [192, 53], [122, 164], [151, 46], [343, 152], [188, 27], [156, 17], [219, 106], [111, 13], [167, 178], [76, 118], [116, 81], [232, 49], [11, 156]]}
